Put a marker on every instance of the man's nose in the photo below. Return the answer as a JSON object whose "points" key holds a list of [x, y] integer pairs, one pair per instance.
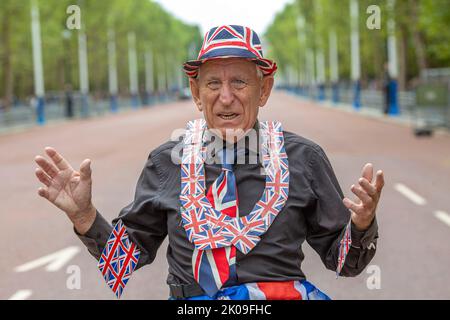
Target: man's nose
{"points": [[226, 94]]}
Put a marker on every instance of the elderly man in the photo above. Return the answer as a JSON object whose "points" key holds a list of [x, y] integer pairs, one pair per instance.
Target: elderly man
{"points": [[235, 227]]}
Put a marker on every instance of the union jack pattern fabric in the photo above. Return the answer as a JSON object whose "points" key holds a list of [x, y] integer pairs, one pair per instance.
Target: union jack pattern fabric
{"points": [[245, 233], [213, 267], [344, 247], [279, 290], [231, 41], [193, 179], [268, 207], [217, 231], [212, 222], [118, 259]]}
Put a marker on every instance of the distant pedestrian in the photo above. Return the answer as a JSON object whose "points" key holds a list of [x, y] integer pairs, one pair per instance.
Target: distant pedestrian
{"points": [[69, 102]]}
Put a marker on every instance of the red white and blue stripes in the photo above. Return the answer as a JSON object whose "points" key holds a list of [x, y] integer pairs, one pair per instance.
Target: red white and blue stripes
{"points": [[228, 41], [344, 247], [212, 268], [212, 222], [280, 290], [223, 231]]}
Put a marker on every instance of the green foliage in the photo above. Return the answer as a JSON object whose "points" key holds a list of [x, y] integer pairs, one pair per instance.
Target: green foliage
{"points": [[322, 16], [154, 28]]}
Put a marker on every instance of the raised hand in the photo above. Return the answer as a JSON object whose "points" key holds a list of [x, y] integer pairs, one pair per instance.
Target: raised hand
{"points": [[368, 193], [67, 189]]}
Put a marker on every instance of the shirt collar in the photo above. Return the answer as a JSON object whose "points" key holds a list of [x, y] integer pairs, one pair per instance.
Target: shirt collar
{"points": [[242, 147]]}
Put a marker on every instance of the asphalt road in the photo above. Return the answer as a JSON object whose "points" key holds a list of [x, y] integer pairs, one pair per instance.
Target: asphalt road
{"points": [[413, 252]]}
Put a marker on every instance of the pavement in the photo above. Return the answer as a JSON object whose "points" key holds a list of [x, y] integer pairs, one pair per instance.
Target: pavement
{"points": [[43, 259]]}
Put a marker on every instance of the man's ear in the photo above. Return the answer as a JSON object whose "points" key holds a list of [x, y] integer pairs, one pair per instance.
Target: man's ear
{"points": [[195, 90], [266, 89]]}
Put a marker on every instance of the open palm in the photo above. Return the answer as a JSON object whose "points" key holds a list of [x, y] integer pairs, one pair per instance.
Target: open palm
{"points": [[67, 189]]}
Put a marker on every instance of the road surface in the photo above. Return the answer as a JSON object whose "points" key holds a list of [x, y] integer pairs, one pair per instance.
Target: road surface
{"points": [[413, 252]]}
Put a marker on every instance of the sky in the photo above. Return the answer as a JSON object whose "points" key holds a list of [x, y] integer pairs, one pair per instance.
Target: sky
{"points": [[256, 14]]}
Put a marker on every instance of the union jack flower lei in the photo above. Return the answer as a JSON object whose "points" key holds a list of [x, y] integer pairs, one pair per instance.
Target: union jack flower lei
{"points": [[207, 227]]}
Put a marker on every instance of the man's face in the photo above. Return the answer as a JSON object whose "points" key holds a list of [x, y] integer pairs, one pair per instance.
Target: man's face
{"points": [[230, 92]]}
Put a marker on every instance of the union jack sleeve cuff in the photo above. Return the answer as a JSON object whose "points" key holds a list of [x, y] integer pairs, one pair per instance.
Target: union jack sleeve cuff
{"points": [[118, 259], [345, 243]]}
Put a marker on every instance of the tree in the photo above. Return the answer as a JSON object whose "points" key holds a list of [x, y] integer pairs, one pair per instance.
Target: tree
{"points": [[152, 24]]}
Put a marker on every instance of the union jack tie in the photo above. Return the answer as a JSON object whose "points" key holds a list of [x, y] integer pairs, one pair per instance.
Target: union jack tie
{"points": [[215, 267]]}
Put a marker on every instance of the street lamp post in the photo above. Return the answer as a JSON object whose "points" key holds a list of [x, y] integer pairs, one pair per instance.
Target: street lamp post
{"points": [[112, 71], [355, 53], [161, 78], [320, 61], [320, 57], [149, 83], [132, 64], [392, 61], [334, 66], [311, 71], [84, 73], [302, 60], [39, 90]]}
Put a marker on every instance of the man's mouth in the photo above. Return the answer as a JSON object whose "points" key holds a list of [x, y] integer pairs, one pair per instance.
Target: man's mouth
{"points": [[228, 116]]}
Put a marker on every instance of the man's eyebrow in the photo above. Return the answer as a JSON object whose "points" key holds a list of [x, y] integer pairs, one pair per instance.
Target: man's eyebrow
{"points": [[240, 77], [234, 77], [210, 77]]}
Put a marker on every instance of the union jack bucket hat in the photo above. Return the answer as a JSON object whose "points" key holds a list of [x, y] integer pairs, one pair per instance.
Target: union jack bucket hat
{"points": [[230, 41]]}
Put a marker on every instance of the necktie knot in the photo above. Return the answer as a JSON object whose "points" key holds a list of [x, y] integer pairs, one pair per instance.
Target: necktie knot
{"points": [[228, 157]]}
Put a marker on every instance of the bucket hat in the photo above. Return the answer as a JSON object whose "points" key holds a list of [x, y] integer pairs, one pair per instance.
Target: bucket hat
{"points": [[230, 41]]}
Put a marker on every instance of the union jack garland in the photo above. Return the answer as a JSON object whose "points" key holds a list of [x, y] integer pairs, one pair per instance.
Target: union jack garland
{"points": [[207, 227]]}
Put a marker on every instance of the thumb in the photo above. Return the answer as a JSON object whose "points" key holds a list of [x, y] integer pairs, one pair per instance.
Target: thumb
{"points": [[85, 170]]}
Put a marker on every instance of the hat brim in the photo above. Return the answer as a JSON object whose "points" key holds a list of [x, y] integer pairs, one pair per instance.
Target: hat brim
{"points": [[267, 66]]}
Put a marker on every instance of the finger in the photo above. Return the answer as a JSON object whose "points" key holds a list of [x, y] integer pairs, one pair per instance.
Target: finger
{"points": [[43, 177], [379, 180], [367, 172], [75, 179], [362, 195], [48, 167], [349, 204], [367, 187], [43, 192], [59, 161], [85, 170]]}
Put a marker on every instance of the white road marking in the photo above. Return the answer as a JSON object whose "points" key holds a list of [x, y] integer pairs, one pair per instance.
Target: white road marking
{"points": [[21, 295], [443, 216], [411, 195], [54, 261]]}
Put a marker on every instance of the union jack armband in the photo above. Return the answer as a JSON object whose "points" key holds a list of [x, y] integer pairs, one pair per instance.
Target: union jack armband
{"points": [[119, 259], [344, 247]]}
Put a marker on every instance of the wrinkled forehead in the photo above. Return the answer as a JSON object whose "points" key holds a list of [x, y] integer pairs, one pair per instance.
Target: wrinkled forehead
{"points": [[228, 66]]}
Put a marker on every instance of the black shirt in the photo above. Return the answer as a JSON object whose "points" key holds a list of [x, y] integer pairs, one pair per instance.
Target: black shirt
{"points": [[313, 212]]}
